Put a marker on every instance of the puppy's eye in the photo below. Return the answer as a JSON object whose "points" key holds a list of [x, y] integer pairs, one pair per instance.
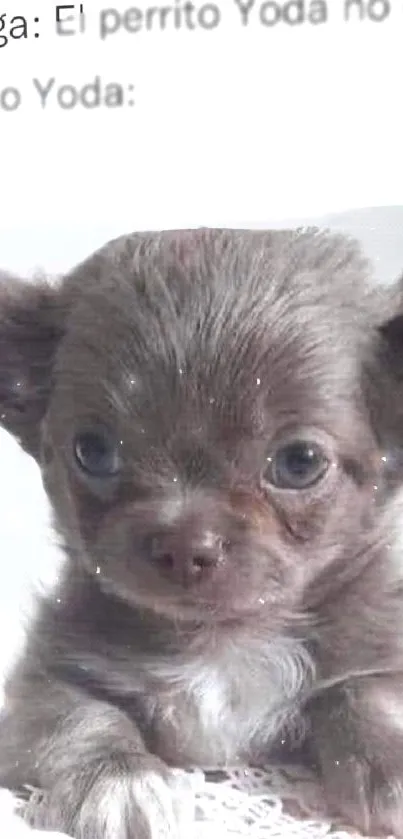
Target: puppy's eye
{"points": [[297, 465], [97, 454]]}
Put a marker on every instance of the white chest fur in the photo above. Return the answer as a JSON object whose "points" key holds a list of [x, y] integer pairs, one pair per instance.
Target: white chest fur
{"points": [[216, 707]]}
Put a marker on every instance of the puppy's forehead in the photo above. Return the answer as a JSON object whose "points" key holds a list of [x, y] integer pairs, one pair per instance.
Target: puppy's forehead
{"points": [[215, 312], [266, 260]]}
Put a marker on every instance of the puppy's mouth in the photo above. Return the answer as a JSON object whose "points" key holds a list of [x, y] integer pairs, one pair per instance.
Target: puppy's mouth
{"points": [[237, 588], [200, 558], [188, 605]]}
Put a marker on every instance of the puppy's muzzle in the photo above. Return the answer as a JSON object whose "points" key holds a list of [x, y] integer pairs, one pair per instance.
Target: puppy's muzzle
{"points": [[187, 553]]}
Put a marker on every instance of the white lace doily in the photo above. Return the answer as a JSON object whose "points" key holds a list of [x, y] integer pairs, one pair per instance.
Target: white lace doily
{"points": [[239, 803], [257, 803]]}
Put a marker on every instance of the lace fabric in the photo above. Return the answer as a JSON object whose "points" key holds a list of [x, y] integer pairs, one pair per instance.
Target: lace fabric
{"points": [[258, 803], [231, 804]]}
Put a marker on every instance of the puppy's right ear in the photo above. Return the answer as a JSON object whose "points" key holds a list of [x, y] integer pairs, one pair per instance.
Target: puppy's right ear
{"points": [[30, 330]]}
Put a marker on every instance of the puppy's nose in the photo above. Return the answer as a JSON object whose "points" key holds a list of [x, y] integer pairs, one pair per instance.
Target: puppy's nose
{"points": [[186, 555]]}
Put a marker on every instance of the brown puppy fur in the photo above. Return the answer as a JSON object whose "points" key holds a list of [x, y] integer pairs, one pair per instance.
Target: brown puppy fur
{"points": [[218, 416]]}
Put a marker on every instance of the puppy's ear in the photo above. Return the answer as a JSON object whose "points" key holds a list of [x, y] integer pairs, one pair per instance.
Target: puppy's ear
{"points": [[30, 329], [391, 332], [384, 376]]}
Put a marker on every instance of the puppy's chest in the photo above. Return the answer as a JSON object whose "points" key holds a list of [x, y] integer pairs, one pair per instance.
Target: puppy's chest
{"points": [[212, 712]]}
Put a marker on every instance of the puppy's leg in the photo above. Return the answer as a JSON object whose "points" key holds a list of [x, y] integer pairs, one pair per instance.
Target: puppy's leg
{"points": [[357, 737], [98, 779]]}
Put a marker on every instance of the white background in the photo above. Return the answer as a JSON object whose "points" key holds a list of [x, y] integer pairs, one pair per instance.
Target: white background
{"points": [[239, 125]]}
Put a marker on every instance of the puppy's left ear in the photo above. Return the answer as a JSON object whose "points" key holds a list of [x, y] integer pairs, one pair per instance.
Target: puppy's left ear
{"points": [[30, 330], [384, 373], [391, 332]]}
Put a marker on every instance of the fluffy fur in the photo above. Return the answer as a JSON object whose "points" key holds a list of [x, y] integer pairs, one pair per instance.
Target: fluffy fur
{"points": [[206, 614]]}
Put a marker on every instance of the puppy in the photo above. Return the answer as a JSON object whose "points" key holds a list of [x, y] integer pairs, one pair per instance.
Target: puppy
{"points": [[218, 417]]}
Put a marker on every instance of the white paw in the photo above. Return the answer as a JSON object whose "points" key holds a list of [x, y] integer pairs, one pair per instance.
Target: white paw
{"points": [[149, 805], [167, 803]]}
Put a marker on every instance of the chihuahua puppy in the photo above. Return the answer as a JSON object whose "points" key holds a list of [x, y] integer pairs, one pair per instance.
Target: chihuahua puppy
{"points": [[218, 417]]}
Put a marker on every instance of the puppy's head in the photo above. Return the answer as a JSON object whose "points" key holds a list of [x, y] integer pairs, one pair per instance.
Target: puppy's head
{"points": [[215, 414]]}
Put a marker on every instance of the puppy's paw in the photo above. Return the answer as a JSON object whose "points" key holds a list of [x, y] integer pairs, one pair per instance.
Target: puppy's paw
{"points": [[150, 801], [359, 794], [147, 804]]}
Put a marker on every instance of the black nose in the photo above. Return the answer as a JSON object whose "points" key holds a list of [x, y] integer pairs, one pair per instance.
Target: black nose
{"points": [[186, 555]]}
